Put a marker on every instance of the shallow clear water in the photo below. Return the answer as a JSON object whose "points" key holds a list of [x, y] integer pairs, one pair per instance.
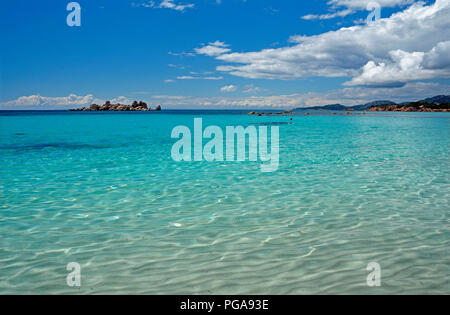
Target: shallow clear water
{"points": [[102, 190]]}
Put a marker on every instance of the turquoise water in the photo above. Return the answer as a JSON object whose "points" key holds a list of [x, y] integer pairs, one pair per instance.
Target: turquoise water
{"points": [[102, 190]]}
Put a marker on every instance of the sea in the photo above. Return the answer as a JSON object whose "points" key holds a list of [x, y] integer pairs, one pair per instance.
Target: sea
{"points": [[101, 190]]}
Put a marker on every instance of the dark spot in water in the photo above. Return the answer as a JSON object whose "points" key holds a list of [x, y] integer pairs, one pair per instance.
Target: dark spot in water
{"points": [[19, 134]]}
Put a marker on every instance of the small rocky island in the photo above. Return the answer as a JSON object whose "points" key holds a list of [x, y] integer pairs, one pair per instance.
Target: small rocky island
{"points": [[285, 113], [108, 107]]}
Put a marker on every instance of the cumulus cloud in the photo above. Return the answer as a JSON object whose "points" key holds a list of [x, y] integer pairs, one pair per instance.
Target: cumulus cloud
{"points": [[229, 88], [438, 57], [342, 8], [353, 51], [406, 67], [213, 49]]}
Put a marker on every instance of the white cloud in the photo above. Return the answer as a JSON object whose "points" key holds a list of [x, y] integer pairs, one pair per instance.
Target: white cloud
{"points": [[346, 96], [342, 13], [351, 6], [252, 89], [182, 54], [186, 77], [48, 102], [189, 77], [164, 4], [406, 67], [181, 67], [346, 52], [201, 73], [169, 4], [362, 4], [45, 101], [213, 49], [438, 57], [229, 88], [121, 100]]}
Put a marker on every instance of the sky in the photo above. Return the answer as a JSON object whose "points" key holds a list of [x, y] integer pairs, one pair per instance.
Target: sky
{"points": [[222, 53]]}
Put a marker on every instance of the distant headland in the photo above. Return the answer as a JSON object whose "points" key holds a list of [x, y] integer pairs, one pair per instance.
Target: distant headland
{"points": [[412, 107], [108, 107], [440, 103]]}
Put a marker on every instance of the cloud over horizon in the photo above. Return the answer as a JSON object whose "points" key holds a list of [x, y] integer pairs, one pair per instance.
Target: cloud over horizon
{"points": [[346, 96]]}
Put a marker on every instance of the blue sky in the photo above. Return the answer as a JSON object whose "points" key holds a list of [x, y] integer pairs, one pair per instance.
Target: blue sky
{"points": [[221, 54]]}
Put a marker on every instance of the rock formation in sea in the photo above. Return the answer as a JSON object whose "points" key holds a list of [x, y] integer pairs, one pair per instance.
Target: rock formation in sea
{"points": [[108, 107], [285, 113]]}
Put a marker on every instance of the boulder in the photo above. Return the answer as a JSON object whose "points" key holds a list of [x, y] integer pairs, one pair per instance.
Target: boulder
{"points": [[94, 107]]}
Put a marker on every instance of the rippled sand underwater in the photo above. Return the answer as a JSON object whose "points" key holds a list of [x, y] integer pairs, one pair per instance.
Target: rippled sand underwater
{"points": [[102, 190]]}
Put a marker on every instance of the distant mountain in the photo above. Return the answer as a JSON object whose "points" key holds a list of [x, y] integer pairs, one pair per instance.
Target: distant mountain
{"points": [[440, 99], [437, 99], [440, 103], [326, 107], [371, 104], [339, 107], [376, 103]]}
